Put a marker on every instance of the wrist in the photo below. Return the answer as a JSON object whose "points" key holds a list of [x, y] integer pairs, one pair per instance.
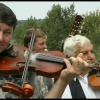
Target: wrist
{"points": [[62, 82]]}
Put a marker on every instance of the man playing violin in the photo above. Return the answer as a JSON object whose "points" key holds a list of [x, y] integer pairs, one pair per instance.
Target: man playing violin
{"points": [[79, 87], [8, 23], [41, 84]]}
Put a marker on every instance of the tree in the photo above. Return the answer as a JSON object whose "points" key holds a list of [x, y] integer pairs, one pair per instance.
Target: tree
{"points": [[57, 25], [91, 29], [20, 30]]}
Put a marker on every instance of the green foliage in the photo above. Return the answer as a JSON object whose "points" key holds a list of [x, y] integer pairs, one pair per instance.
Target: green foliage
{"points": [[21, 30], [57, 25], [91, 29]]}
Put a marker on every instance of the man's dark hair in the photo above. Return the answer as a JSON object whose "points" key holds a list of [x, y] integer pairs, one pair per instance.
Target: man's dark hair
{"points": [[7, 16]]}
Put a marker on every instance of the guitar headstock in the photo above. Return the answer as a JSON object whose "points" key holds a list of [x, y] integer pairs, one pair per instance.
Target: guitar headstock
{"points": [[77, 25]]}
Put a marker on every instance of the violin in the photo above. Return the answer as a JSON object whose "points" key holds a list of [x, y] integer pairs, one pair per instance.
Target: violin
{"points": [[47, 63], [9, 62], [94, 76]]}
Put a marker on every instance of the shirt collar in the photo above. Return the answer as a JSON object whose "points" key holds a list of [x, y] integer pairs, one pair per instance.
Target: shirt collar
{"points": [[81, 76]]}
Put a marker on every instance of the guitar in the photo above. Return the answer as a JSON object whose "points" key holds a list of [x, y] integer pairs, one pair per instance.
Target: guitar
{"points": [[76, 28], [77, 25]]}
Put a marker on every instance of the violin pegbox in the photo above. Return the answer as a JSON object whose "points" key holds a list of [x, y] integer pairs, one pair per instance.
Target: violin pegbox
{"points": [[77, 25]]}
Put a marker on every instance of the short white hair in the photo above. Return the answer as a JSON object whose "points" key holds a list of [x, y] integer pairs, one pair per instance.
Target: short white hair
{"points": [[70, 44]]}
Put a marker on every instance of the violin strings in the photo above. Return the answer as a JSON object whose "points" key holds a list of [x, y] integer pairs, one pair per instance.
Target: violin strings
{"points": [[50, 58]]}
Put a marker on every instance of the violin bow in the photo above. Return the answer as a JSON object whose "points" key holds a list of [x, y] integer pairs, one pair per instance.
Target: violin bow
{"points": [[28, 57], [77, 25]]}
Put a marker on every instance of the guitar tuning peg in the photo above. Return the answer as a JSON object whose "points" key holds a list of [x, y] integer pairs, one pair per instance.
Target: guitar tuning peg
{"points": [[77, 25], [81, 27], [83, 23], [79, 31]]}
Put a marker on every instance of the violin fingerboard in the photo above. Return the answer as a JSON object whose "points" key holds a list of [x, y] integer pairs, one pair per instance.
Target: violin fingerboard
{"points": [[49, 58]]}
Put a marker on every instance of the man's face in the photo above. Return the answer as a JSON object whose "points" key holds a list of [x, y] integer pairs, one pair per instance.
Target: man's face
{"points": [[6, 32], [88, 53], [40, 45]]}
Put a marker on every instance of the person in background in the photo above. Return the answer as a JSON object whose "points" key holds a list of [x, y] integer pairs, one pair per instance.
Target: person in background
{"points": [[79, 87], [41, 84], [39, 42]]}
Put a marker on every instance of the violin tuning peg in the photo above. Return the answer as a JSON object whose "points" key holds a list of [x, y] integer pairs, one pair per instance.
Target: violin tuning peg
{"points": [[1, 83], [98, 74], [8, 96]]}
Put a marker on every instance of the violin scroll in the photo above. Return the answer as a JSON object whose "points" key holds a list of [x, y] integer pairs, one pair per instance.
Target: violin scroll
{"points": [[94, 76], [26, 92]]}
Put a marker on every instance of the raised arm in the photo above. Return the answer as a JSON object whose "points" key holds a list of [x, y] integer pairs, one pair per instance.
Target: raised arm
{"points": [[66, 76]]}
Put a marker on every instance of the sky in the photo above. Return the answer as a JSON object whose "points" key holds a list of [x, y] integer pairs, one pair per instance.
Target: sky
{"points": [[37, 9]]}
